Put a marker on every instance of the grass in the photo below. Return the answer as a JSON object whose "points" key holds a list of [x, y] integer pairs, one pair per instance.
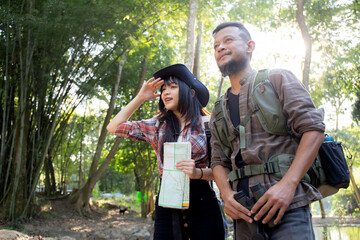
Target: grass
{"points": [[129, 201], [46, 215]]}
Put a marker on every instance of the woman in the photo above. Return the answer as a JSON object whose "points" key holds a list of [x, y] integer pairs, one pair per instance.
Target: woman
{"points": [[181, 101]]}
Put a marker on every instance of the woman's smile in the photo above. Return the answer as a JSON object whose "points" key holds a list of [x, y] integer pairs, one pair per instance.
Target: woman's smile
{"points": [[167, 99]]}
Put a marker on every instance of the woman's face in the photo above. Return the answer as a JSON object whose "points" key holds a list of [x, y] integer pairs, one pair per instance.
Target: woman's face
{"points": [[170, 96]]}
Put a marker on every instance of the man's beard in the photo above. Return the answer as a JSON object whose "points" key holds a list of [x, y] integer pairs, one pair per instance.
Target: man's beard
{"points": [[232, 67]]}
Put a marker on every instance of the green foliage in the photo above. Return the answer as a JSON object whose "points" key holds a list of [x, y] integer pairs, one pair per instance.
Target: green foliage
{"points": [[336, 83], [96, 193], [350, 138], [56, 54], [74, 149], [270, 14], [339, 81], [46, 215], [259, 12], [16, 225], [129, 201], [117, 180], [356, 212]]}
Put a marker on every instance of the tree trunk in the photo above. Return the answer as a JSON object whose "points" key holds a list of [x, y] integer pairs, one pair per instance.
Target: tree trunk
{"points": [[198, 52], [151, 201], [81, 198], [143, 71], [190, 37], [39, 75], [5, 113], [322, 209], [50, 183], [18, 194], [220, 87], [145, 205], [307, 41], [47, 178], [356, 189], [16, 201]]}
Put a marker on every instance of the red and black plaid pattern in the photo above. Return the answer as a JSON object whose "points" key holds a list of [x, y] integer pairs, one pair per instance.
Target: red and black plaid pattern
{"points": [[148, 130]]}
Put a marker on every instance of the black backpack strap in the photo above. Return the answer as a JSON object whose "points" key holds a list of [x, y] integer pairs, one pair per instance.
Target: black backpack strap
{"points": [[208, 136]]}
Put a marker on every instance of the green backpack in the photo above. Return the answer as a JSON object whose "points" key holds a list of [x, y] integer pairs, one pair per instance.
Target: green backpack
{"points": [[265, 104], [268, 109]]}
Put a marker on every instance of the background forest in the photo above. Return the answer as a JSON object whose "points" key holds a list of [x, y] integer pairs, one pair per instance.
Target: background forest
{"points": [[67, 66]]}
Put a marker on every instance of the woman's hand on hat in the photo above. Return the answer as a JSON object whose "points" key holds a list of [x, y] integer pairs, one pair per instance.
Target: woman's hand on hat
{"points": [[148, 90]]}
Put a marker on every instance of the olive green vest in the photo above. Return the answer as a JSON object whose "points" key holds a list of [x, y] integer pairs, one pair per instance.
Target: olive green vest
{"points": [[268, 109]]}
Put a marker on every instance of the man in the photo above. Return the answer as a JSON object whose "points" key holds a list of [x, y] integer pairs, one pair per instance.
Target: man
{"points": [[286, 202]]}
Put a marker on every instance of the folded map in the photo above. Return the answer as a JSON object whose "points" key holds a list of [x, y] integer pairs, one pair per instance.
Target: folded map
{"points": [[175, 185]]}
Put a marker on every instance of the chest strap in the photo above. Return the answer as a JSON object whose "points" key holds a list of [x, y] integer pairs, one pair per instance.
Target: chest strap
{"points": [[254, 169]]}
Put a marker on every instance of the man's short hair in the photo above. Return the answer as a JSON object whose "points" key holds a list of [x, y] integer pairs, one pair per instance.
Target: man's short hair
{"points": [[244, 32]]}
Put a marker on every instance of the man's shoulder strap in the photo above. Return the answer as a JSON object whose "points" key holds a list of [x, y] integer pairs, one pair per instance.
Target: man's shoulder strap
{"points": [[267, 106], [219, 104], [219, 108], [221, 127], [261, 75]]}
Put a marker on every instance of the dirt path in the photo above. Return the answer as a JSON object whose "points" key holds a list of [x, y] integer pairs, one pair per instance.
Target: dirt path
{"points": [[61, 222], [58, 221]]}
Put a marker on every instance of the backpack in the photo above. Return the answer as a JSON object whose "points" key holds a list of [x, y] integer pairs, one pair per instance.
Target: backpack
{"points": [[268, 109]]}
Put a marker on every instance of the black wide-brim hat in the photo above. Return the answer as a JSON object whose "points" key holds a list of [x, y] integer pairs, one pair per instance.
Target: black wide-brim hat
{"points": [[183, 73]]}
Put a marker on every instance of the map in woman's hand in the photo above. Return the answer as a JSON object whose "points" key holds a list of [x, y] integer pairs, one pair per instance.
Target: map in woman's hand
{"points": [[174, 190]]}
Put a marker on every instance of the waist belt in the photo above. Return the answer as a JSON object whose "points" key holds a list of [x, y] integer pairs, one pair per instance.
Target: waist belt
{"points": [[254, 169]]}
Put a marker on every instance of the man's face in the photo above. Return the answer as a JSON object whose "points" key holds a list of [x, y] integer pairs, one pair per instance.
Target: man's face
{"points": [[230, 50]]}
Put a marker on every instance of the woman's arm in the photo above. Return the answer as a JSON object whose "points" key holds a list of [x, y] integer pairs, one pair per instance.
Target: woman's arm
{"points": [[146, 92]]}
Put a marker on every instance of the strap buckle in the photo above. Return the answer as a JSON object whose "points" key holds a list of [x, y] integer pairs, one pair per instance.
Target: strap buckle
{"points": [[236, 174], [252, 170], [241, 172], [266, 168], [269, 168]]}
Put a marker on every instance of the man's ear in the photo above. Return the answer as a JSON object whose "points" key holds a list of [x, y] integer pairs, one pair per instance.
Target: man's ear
{"points": [[251, 46], [193, 92]]}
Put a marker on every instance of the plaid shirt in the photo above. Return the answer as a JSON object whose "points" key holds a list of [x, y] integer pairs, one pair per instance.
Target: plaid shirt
{"points": [[150, 131]]}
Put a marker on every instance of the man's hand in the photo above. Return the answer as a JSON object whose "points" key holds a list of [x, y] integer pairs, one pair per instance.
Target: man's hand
{"points": [[275, 200], [279, 196], [234, 209], [231, 207]]}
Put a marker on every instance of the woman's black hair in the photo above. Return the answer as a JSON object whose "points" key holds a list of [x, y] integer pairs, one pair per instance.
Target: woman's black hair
{"points": [[189, 108]]}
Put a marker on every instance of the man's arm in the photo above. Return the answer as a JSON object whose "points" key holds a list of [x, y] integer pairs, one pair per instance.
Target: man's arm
{"points": [[231, 207], [278, 197]]}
